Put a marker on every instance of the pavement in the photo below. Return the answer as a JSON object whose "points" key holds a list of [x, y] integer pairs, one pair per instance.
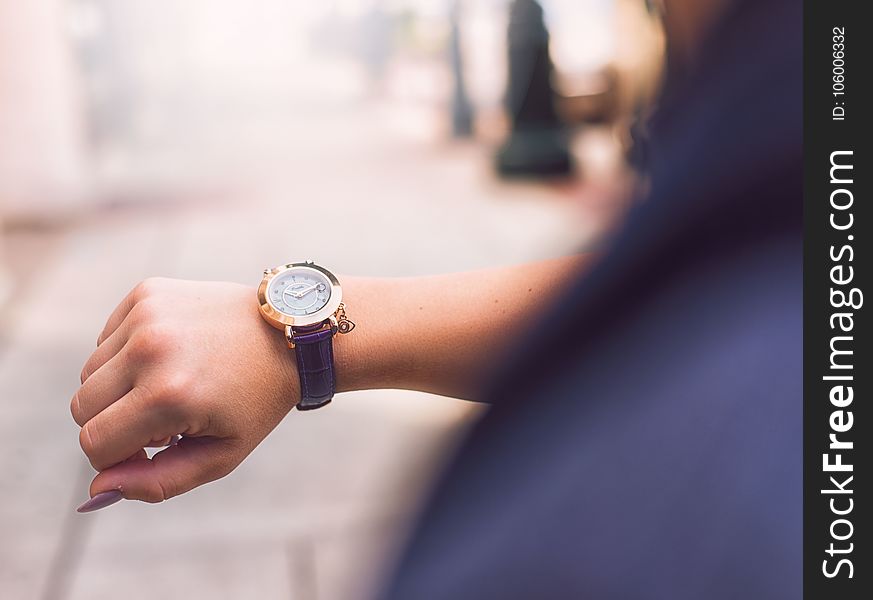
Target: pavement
{"points": [[321, 508]]}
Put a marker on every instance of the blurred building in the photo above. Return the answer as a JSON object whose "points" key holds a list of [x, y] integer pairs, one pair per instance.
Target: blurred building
{"points": [[42, 159], [119, 101]]}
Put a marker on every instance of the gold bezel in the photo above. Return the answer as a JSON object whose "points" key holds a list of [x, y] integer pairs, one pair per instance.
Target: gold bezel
{"points": [[280, 320]]}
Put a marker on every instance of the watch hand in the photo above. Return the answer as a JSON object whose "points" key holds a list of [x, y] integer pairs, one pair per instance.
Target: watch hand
{"points": [[301, 293]]}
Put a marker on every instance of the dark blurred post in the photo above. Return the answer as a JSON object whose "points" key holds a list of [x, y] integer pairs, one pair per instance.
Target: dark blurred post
{"points": [[537, 144], [462, 111]]}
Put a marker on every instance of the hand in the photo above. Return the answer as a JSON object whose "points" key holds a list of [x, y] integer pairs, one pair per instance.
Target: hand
{"points": [[181, 357]]}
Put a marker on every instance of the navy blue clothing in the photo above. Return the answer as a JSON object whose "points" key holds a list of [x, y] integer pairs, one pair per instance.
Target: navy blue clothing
{"points": [[647, 441]]}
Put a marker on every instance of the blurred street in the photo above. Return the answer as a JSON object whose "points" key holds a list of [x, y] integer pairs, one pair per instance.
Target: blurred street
{"points": [[203, 163], [279, 526]]}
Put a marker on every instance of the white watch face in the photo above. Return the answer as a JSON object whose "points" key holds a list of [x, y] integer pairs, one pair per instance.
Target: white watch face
{"points": [[299, 291]]}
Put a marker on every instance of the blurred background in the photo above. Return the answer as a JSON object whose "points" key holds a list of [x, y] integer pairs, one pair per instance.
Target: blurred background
{"points": [[210, 139]]}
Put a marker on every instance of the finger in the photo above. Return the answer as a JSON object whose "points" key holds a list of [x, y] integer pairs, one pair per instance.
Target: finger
{"points": [[140, 454], [140, 291], [109, 497], [115, 319], [126, 426], [109, 347], [167, 441], [170, 472], [105, 386]]}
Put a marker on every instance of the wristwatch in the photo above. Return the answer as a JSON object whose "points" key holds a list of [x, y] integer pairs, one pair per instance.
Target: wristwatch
{"points": [[305, 301]]}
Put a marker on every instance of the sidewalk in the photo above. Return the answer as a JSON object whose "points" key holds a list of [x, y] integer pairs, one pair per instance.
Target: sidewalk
{"points": [[319, 509]]}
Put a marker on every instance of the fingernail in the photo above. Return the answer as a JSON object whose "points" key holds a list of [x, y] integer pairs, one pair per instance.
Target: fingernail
{"points": [[101, 500]]}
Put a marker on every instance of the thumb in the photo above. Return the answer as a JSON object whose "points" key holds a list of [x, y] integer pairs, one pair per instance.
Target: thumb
{"points": [[172, 471]]}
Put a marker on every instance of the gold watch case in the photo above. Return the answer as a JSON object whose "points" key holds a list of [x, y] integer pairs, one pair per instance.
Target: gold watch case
{"points": [[280, 320]]}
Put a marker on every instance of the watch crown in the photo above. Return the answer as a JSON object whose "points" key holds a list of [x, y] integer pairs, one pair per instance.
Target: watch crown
{"points": [[310, 262]]}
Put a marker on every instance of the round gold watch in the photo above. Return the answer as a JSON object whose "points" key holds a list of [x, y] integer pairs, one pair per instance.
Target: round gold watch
{"points": [[305, 301]]}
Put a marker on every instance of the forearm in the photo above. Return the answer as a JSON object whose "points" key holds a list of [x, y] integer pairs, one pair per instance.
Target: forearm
{"points": [[162, 367], [440, 334]]}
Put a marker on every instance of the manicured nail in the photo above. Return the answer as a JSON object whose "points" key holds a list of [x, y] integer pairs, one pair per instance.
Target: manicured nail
{"points": [[101, 500]]}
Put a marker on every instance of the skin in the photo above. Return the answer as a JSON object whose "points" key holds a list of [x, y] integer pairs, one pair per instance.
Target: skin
{"points": [[196, 359]]}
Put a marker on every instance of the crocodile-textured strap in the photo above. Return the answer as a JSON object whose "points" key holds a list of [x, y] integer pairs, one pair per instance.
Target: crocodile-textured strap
{"points": [[315, 366]]}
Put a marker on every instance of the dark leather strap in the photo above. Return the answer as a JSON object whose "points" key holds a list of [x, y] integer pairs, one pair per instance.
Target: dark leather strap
{"points": [[314, 346]]}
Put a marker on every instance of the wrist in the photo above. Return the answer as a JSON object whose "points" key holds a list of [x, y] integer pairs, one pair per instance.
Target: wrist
{"points": [[280, 364], [361, 359]]}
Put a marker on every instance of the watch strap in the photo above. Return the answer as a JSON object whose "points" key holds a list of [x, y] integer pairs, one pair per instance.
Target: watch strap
{"points": [[314, 349]]}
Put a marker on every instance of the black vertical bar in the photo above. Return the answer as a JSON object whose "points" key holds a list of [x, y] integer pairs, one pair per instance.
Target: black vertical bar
{"points": [[838, 49]]}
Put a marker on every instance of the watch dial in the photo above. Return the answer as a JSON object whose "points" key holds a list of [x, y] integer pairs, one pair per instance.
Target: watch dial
{"points": [[299, 291]]}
